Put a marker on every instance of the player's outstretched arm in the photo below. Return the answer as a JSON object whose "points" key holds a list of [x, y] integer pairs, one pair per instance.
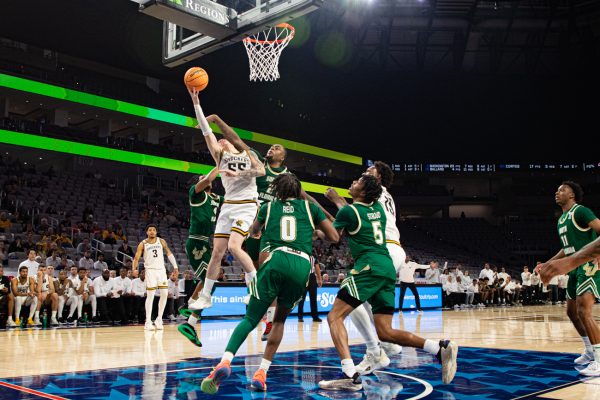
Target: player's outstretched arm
{"points": [[206, 180], [330, 233], [209, 136], [304, 195], [228, 133]]}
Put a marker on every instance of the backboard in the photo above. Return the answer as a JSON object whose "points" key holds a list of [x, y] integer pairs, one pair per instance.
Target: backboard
{"points": [[193, 28]]}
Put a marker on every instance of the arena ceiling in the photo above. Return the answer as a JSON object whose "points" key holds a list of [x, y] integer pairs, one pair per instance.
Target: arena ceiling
{"points": [[441, 79]]}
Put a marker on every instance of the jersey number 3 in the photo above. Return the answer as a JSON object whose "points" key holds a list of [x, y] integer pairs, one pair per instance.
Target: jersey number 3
{"points": [[155, 252]]}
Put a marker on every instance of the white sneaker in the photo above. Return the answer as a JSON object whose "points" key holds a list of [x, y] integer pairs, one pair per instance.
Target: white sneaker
{"points": [[247, 299], [10, 323], [54, 321], [201, 303], [36, 322], [585, 358], [148, 326], [420, 311], [343, 383], [158, 325], [591, 370], [448, 354], [372, 362], [391, 349], [171, 318]]}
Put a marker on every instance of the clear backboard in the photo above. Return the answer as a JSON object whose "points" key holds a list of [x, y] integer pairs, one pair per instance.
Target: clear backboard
{"points": [[193, 28]]}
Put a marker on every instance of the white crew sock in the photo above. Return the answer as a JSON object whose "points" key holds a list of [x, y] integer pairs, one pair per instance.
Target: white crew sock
{"points": [[148, 304], [596, 348], [587, 344], [208, 286], [270, 314], [249, 276], [431, 346], [361, 319], [192, 320], [348, 367], [265, 364], [37, 315], [53, 314], [227, 356]]}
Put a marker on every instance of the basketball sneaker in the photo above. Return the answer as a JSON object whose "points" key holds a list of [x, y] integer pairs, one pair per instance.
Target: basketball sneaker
{"points": [[148, 326], [344, 382], [30, 322], [259, 380], [267, 332], [11, 324], [391, 349], [585, 358], [18, 322], [36, 322], [211, 383], [158, 324], [372, 362], [591, 370], [201, 303], [447, 356], [189, 332], [53, 321]]}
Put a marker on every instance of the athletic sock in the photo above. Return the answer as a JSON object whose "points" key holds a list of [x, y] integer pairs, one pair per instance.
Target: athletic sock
{"points": [[249, 276], [54, 314], [431, 346], [587, 344], [192, 320], [227, 356], [270, 314], [36, 315], [348, 367], [265, 364], [596, 348], [208, 286]]}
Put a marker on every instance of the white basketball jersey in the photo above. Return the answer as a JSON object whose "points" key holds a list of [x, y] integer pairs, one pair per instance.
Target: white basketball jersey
{"points": [[23, 288], [45, 284], [391, 230], [238, 188], [153, 255], [77, 282]]}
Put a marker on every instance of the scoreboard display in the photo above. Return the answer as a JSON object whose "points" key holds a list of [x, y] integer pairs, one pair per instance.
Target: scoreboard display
{"points": [[489, 168]]}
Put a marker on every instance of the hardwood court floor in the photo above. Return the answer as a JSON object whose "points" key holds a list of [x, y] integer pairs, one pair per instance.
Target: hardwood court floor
{"points": [[524, 347]]}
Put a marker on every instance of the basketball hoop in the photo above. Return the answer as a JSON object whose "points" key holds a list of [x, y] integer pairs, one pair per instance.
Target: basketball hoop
{"points": [[264, 49]]}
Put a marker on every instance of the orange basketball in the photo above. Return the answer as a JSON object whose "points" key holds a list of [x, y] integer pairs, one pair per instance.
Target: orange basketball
{"points": [[196, 77]]}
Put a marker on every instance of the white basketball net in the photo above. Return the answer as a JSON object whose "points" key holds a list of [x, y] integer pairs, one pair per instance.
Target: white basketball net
{"points": [[264, 49]]}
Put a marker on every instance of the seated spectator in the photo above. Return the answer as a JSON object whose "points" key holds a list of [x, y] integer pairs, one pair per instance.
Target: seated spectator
{"points": [[16, 246], [46, 294], [66, 262], [485, 290], [340, 278], [54, 259], [325, 277], [86, 261], [173, 296], [6, 297], [84, 246], [66, 295], [138, 289], [221, 277], [502, 274], [85, 294], [509, 290], [444, 276], [64, 241], [123, 250], [110, 303], [100, 264], [24, 291], [3, 253], [5, 223], [109, 237]]}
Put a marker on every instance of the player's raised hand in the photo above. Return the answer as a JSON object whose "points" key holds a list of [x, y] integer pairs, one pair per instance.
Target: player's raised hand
{"points": [[194, 95], [331, 194]]}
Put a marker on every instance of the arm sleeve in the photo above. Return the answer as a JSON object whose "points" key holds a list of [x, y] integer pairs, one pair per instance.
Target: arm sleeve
{"points": [[345, 219], [584, 216]]}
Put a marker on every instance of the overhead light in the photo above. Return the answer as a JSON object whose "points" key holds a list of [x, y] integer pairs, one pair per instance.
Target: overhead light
{"points": [[40, 158]]}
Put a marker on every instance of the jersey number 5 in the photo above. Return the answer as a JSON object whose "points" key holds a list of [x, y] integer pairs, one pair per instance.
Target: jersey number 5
{"points": [[237, 166], [377, 232]]}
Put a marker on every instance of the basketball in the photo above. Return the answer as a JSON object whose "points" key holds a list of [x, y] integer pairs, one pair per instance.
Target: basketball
{"points": [[196, 78]]}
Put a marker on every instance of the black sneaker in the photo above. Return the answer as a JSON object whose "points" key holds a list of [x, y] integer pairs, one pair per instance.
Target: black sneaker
{"points": [[344, 382], [61, 320], [70, 320], [447, 357], [189, 332], [95, 320]]}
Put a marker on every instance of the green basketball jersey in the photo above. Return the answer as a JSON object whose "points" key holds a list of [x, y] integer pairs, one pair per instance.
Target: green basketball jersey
{"points": [[365, 224], [263, 183], [574, 230], [290, 223], [203, 213]]}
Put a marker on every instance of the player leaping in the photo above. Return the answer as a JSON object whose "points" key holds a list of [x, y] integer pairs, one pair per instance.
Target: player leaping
{"points": [[238, 174]]}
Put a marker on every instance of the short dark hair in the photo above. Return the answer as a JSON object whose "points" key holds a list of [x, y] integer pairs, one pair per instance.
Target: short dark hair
{"points": [[576, 188], [371, 187], [385, 173], [81, 269], [286, 186], [151, 226], [21, 268]]}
